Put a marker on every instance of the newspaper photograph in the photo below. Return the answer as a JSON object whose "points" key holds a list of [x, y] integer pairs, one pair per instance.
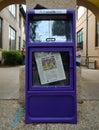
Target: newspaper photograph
{"points": [[50, 67]]}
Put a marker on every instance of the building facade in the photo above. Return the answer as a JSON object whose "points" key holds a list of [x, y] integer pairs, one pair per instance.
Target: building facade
{"points": [[87, 29], [12, 27]]}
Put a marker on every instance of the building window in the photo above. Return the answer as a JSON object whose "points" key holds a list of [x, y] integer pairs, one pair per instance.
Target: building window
{"points": [[0, 33], [80, 38], [24, 44], [19, 21], [12, 9], [23, 26], [80, 11], [12, 39], [19, 43], [97, 34]]}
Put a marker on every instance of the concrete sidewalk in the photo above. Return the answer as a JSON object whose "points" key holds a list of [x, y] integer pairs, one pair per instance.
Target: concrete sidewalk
{"points": [[88, 118], [9, 82], [90, 84], [87, 112]]}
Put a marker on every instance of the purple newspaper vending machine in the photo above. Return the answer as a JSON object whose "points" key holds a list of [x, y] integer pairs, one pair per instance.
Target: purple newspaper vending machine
{"points": [[50, 66]]}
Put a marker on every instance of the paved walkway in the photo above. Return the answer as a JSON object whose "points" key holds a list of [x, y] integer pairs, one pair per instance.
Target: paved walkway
{"points": [[90, 84], [87, 112], [9, 83]]}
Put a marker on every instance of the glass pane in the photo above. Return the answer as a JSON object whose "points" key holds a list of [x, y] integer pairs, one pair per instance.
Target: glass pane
{"points": [[0, 33], [12, 9], [12, 39], [50, 68], [49, 31]]}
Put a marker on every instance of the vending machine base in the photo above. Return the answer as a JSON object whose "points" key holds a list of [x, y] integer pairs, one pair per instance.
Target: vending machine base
{"points": [[51, 107]]}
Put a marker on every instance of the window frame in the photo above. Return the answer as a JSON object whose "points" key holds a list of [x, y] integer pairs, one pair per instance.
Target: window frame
{"points": [[80, 37], [97, 34], [0, 32], [80, 9], [10, 35], [12, 10]]}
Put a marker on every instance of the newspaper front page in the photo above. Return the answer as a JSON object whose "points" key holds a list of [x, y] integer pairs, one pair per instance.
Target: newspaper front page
{"points": [[50, 67]]}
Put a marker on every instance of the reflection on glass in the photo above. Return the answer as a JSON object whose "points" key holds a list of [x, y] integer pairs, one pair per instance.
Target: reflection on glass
{"points": [[50, 68], [49, 31]]}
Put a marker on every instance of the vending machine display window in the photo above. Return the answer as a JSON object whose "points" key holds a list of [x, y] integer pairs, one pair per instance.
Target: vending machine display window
{"points": [[50, 29], [50, 68]]}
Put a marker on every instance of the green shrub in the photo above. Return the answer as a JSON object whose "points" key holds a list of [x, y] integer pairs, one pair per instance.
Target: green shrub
{"points": [[12, 57]]}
